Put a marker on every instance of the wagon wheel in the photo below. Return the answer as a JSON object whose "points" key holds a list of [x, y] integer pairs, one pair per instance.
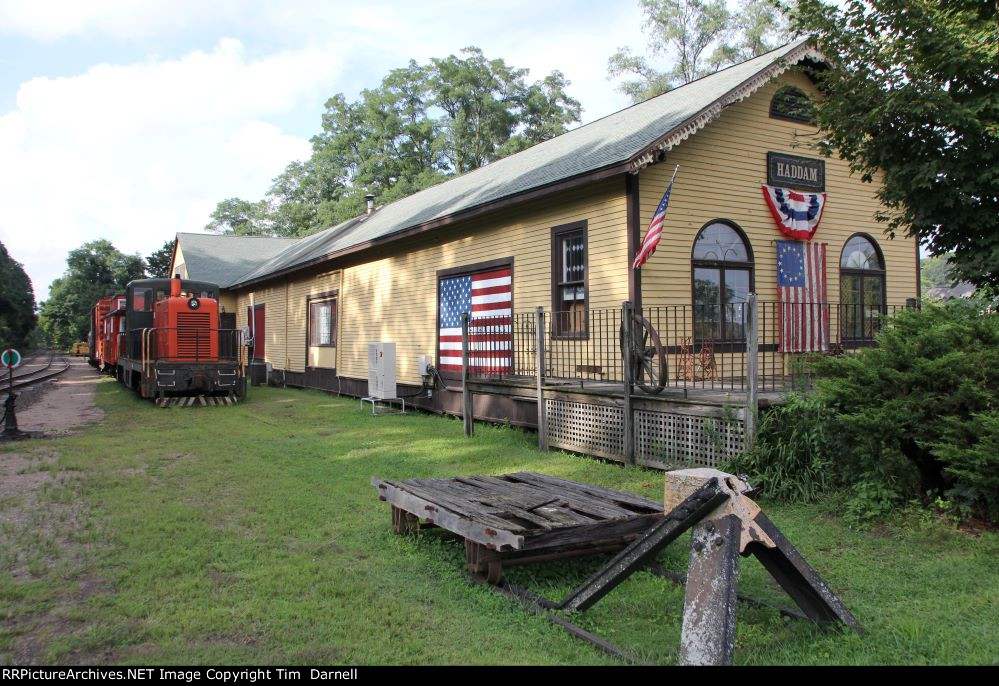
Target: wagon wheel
{"points": [[648, 358]]}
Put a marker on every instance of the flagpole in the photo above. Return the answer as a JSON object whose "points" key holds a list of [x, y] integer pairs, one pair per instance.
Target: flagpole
{"points": [[652, 237]]}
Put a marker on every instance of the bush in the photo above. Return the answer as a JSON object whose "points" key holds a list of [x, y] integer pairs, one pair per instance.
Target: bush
{"points": [[928, 394], [970, 449], [915, 418], [795, 451]]}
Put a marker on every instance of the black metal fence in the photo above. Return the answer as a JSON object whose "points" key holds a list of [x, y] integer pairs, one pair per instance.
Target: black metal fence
{"points": [[704, 347]]}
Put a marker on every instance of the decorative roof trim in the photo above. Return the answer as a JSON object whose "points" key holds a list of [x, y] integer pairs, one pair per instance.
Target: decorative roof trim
{"points": [[714, 110]]}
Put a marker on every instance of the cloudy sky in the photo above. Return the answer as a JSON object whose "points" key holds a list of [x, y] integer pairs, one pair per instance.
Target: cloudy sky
{"points": [[130, 119]]}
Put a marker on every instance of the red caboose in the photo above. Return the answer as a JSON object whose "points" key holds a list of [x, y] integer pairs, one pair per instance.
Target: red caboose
{"points": [[97, 313], [112, 339]]}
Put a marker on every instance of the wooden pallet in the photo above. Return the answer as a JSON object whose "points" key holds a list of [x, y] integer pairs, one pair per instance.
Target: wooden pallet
{"points": [[519, 518]]}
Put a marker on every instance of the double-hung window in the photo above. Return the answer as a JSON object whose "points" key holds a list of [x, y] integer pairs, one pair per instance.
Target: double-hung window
{"points": [[569, 292], [322, 323]]}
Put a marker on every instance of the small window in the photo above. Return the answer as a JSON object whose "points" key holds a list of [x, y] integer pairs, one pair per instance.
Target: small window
{"points": [[322, 323], [861, 289], [792, 104], [141, 299], [569, 280], [723, 278]]}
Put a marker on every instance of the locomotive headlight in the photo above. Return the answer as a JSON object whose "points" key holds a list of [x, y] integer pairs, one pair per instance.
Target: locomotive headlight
{"points": [[194, 303]]}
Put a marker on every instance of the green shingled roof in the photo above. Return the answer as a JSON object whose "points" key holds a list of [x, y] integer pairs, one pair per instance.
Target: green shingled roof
{"points": [[223, 259], [615, 141]]}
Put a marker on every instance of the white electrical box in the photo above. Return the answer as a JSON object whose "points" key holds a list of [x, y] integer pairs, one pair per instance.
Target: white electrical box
{"points": [[422, 362], [381, 370]]}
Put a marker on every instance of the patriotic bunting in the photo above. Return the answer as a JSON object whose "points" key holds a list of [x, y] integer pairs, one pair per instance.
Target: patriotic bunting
{"points": [[797, 214]]}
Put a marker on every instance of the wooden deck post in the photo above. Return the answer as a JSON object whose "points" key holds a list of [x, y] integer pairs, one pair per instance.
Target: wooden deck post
{"points": [[467, 416], [539, 343], [752, 362], [627, 317]]}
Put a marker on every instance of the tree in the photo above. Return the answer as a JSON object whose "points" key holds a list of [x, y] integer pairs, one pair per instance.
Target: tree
{"points": [[93, 270], [934, 272], [698, 37], [17, 301], [423, 124], [238, 217], [159, 262], [911, 99]]}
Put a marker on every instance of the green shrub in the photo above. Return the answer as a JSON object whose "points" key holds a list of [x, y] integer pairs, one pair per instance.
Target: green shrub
{"points": [[795, 451], [970, 449], [917, 414]]}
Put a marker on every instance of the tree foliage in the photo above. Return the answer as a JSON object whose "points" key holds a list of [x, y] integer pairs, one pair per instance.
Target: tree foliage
{"points": [[158, 262], [423, 124], [93, 270], [912, 99], [916, 417], [935, 272], [696, 38], [17, 301], [933, 381], [239, 217]]}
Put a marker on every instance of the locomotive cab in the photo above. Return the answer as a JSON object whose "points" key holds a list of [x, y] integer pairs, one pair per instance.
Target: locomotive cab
{"points": [[187, 326], [173, 341]]}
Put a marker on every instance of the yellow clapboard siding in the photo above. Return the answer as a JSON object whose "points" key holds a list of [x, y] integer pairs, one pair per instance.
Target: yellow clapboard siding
{"points": [[724, 166], [395, 298], [298, 321]]}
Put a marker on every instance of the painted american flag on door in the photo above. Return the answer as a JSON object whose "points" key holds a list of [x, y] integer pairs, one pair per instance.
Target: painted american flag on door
{"points": [[488, 297]]}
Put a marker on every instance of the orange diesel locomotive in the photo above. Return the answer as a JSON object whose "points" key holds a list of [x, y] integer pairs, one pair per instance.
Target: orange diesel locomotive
{"points": [[167, 338]]}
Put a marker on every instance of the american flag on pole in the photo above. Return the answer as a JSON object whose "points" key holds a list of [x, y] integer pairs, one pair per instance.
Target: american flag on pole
{"points": [[487, 296], [655, 230], [801, 287]]}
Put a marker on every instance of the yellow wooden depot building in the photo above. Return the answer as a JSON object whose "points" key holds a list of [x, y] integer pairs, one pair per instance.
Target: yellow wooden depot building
{"points": [[564, 220]]}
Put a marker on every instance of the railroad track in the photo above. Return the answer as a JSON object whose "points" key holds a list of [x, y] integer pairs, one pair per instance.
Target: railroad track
{"points": [[28, 378]]}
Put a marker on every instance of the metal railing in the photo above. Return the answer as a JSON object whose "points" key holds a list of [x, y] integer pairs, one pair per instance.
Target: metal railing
{"points": [[184, 344], [704, 347]]}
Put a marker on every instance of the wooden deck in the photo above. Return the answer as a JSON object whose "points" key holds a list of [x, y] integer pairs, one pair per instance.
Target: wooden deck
{"points": [[519, 518], [717, 393]]}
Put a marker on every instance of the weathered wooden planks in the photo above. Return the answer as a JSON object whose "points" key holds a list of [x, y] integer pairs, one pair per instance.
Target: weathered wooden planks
{"points": [[522, 511]]}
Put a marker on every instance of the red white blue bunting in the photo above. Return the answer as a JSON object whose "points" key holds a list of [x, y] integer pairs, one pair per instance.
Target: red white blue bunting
{"points": [[797, 214]]}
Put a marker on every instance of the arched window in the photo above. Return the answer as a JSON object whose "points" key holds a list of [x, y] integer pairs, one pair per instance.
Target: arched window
{"points": [[792, 104], [861, 288], [722, 265]]}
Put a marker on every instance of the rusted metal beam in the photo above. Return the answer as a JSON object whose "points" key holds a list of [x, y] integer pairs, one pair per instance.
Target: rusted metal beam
{"points": [[690, 511], [541, 605], [708, 633], [799, 580]]}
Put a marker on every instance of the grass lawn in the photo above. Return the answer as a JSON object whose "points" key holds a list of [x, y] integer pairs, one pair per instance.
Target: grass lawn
{"points": [[251, 535]]}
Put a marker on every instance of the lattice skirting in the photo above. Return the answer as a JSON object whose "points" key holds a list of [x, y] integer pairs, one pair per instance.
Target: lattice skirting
{"points": [[671, 441], [589, 429], [664, 440]]}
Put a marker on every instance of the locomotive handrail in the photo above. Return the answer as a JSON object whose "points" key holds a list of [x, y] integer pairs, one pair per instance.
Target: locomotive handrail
{"points": [[228, 348]]}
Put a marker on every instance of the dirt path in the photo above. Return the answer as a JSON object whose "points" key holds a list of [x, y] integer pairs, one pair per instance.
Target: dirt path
{"points": [[65, 403], [45, 529]]}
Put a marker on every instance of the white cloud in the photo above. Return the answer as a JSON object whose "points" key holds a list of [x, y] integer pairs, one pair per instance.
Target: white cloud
{"points": [[53, 19], [135, 153]]}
